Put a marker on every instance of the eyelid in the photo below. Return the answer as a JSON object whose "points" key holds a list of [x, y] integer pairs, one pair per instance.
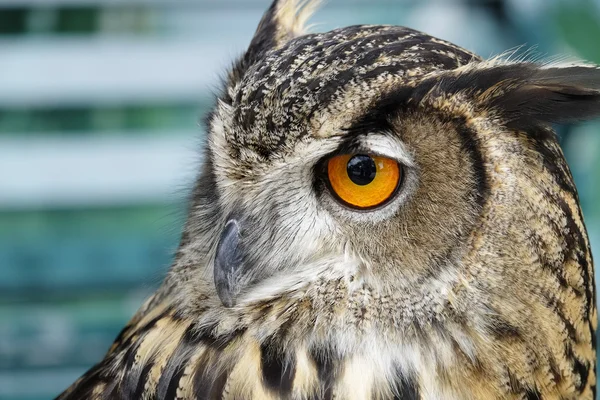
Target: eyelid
{"points": [[389, 147]]}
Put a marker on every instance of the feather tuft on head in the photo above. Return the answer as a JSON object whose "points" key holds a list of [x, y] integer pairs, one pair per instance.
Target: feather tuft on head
{"points": [[293, 15]]}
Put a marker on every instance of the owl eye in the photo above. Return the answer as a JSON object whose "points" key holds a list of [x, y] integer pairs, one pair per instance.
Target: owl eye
{"points": [[363, 181]]}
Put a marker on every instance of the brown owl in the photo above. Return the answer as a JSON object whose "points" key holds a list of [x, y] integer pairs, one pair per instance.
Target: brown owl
{"points": [[381, 215]]}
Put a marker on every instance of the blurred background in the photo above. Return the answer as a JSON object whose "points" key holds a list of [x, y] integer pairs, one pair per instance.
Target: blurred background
{"points": [[99, 144]]}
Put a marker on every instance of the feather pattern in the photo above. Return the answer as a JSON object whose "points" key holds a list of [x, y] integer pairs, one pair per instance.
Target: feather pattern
{"points": [[475, 281]]}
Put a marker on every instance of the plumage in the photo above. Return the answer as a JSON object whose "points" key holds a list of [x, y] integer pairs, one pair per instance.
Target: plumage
{"points": [[474, 280]]}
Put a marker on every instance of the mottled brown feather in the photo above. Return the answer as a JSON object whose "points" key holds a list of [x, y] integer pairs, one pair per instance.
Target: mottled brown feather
{"points": [[477, 284]]}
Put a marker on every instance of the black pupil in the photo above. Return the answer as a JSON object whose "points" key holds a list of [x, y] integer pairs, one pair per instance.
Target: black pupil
{"points": [[361, 169]]}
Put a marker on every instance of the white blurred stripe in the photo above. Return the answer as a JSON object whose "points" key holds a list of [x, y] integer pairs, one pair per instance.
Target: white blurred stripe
{"points": [[104, 3], [225, 4], [109, 70], [37, 171], [46, 3]]}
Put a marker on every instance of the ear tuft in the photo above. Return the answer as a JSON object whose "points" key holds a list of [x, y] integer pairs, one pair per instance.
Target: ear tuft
{"points": [[283, 21], [294, 14], [535, 95]]}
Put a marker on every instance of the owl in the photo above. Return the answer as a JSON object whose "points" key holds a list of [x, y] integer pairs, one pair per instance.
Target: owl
{"points": [[380, 215]]}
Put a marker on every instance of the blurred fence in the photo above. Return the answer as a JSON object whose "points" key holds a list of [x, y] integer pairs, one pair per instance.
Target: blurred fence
{"points": [[99, 108]]}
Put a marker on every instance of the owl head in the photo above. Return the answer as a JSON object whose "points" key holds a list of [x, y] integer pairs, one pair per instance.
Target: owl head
{"points": [[382, 156], [381, 214]]}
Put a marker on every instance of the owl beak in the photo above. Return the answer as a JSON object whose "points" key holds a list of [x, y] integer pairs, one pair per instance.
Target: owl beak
{"points": [[228, 265]]}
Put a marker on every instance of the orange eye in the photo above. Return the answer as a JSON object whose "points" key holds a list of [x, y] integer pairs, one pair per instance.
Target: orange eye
{"points": [[363, 181]]}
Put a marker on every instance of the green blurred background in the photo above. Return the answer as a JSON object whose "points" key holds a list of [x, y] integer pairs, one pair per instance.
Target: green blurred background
{"points": [[99, 143]]}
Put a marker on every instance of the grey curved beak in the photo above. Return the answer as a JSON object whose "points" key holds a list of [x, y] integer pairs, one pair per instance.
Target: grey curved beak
{"points": [[228, 263]]}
